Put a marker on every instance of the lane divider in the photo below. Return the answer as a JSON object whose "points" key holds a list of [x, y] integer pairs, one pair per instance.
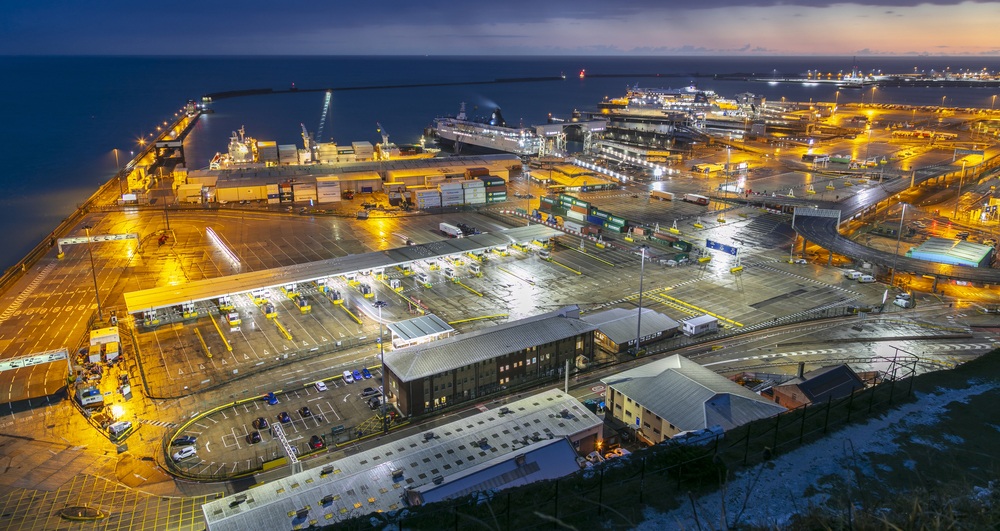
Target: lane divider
{"points": [[467, 287], [355, 317], [202, 340], [282, 329], [478, 318], [566, 266], [219, 330], [515, 276]]}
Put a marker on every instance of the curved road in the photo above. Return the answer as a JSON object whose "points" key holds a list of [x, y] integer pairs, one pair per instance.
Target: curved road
{"points": [[823, 232]]}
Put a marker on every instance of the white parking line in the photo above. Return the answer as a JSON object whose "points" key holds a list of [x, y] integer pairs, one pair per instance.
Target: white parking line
{"points": [[315, 399], [334, 411]]}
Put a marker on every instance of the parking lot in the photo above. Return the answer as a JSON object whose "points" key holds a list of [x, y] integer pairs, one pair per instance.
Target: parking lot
{"points": [[223, 445]]}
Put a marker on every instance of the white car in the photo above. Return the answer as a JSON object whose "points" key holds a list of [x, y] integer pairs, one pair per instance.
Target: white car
{"points": [[185, 453], [801, 261], [347, 377], [320, 386]]}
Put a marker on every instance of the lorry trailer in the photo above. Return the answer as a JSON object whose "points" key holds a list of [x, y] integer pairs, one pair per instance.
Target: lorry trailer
{"points": [[696, 199], [451, 230]]}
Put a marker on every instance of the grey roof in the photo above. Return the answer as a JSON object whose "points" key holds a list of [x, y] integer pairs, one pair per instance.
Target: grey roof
{"points": [[354, 479], [174, 295], [690, 396], [318, 170], [834, 381], [423, 360], [620, 324], [418, 327], [958, 251]]}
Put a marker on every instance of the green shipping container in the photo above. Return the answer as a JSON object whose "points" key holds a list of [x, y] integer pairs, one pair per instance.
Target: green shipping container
{"points": [[581, 204], [559, 211], [618, 220], [495, 199], [547, 200], [682, 245], [614, 228], [599, 214]]}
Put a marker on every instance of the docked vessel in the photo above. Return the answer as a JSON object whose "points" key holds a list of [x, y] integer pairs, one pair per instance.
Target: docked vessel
{"points": [[492, 136]]}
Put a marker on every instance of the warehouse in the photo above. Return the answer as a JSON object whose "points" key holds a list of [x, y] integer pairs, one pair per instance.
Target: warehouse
{"points": [[488, 451], [433, 375], [617, 328], [662, 399], [952, 252]]}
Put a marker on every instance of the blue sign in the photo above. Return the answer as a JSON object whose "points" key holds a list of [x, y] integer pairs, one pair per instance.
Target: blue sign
{"points": [[721, 247]]}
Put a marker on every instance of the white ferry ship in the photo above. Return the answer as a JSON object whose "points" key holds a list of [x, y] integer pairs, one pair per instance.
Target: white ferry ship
{"points": [[492, 136]]}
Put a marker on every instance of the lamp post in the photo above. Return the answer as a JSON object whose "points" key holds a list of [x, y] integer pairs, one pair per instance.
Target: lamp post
{"points": [[899, 235], [93, 270], [638, 326], [120, 189], [381, 353], [958, 197]]}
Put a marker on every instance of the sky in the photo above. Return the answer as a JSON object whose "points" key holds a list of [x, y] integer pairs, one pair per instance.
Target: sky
{"points": [[500, 27]]}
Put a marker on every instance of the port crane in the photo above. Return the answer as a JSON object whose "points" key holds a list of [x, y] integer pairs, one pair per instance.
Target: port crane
{"points": [[385, 140]]}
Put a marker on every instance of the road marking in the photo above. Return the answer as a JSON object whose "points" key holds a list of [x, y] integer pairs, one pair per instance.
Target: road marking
{"points": [[206, 446], [315, 399]]}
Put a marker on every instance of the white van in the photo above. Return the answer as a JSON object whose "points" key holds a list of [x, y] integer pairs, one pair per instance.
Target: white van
{"points": [[544, 254], [119, 428], [866, 279], [853, 275]]}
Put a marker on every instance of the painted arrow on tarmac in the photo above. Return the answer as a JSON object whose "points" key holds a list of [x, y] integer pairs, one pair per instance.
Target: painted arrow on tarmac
{"points": [[206, 445], [345, 398]]}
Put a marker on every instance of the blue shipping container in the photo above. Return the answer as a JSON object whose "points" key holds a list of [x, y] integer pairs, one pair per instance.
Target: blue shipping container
{"points": [[595, 220]]}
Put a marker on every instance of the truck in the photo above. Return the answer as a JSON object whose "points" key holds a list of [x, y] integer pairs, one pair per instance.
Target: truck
{"points": [[696, 199], [451, 230], [662, 196]]}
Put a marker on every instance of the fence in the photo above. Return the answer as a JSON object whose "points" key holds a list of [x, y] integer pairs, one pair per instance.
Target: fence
{"points": [[616, 492]]}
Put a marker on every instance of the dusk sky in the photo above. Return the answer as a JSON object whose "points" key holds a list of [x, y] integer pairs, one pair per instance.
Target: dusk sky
{"points": [[725, 27]]}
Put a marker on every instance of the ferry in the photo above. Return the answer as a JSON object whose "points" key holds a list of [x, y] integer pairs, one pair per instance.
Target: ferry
{"points": [[492, 136]]}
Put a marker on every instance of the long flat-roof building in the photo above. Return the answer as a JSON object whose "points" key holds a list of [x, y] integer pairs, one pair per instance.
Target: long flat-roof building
{"points": [[529, 440], [953, 252], [666, 397], [432, 375], [617, 328]]}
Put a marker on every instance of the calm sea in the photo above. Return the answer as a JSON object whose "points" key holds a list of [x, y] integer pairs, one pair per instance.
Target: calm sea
{"points": [[66, 115]]}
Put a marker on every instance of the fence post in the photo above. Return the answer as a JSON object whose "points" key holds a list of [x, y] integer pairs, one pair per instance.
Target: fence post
{"points": [[600, 494], [802, 427], [913, 375], [850, 401], [871, 401], [508, 511], [892, 388], [746, 447], [777, 422], [642, 476], [455, 510], [555, 510], [826, 421]]}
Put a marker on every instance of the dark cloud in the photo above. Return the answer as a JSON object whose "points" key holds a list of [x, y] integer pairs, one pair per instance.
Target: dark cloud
{"points": [[743, 49]]}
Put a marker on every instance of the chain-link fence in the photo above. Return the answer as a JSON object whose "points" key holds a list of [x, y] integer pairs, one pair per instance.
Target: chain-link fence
{"points": [[617, 493]]}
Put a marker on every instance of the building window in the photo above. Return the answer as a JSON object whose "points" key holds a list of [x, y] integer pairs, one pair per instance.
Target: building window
{"points": [[501, 368], [618, 406], [656, 431], [579, 344], [508, 367], [646, 425], [628, 413], [427, 391]]}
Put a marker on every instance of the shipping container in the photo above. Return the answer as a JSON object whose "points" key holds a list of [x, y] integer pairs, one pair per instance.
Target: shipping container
{"points": [[599, 214], [595, 219], [581, 204], [573, 226], [662, 196], [682, 245], [477, 172], [614, 228], [579, 210], [547, 200], [617, 220], [574, 215], [559, 211], [590, 229]]}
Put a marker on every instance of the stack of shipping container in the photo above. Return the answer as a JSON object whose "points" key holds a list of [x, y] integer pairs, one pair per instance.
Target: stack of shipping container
{"points": [[496, 188], [452, 194], [475, 191], [327, 190], [425, 198]]}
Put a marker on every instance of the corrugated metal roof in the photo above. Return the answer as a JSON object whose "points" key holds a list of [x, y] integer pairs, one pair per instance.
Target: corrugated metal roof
{"points": [[836, 381], [700, 320], [165, 296], [956, 252], [366, 478], [419, 361], [620, 324], [690, 396], [418, 327]]}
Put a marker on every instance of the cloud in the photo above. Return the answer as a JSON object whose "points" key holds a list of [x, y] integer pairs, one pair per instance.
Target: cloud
{"points": [[743, 49]]}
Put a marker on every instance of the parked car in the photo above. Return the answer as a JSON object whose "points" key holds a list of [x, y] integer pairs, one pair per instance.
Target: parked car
{"points": [[271, 399], [253, 437], [184, 440], [801, 261], [316, 442], [366, 374], [260, 423], [595, 457], [348, 378], [304, 412], [284, 418], [185, 453], [357, 375], [320, 386], [369, 391], [622, 452]]}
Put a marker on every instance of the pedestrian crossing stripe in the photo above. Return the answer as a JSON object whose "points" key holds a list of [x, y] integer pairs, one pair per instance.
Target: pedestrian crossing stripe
{"points": [[159, 423]]}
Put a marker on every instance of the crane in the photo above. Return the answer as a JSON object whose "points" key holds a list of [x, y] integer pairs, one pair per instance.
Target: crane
{"points": [[385, 142], [322, 118], [307, 138]]}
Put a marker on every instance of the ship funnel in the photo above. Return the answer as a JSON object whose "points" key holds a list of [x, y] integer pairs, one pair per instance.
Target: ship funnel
{"points": [[497, 119]]}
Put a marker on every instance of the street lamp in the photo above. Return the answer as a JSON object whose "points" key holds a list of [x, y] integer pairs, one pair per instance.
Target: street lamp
{"points": [[120, 189], [93, 269], [381, 353], [638, 326], [899, 236], [958, 197]]}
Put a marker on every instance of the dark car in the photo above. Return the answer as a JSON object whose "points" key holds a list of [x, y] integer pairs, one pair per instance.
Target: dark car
{"points": [[304, 412], [271, 399], [260, 423], [284, 418], [184, 440], [253, 437], [357, 375], [369, 391], [366, 374], [316, 442]]}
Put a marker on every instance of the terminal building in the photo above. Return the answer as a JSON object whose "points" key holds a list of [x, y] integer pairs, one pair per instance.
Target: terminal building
{"points": [[533, 439], [667, 397], [425, 377], [953, 252]]}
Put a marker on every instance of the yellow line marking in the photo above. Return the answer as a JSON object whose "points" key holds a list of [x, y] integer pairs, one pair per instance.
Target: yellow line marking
{"points": [[566, 266], [515, 276], [351, 314], [467, 287], [228, 346], [702, 311], [283, 331], [203, 345], [478, 318]]}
